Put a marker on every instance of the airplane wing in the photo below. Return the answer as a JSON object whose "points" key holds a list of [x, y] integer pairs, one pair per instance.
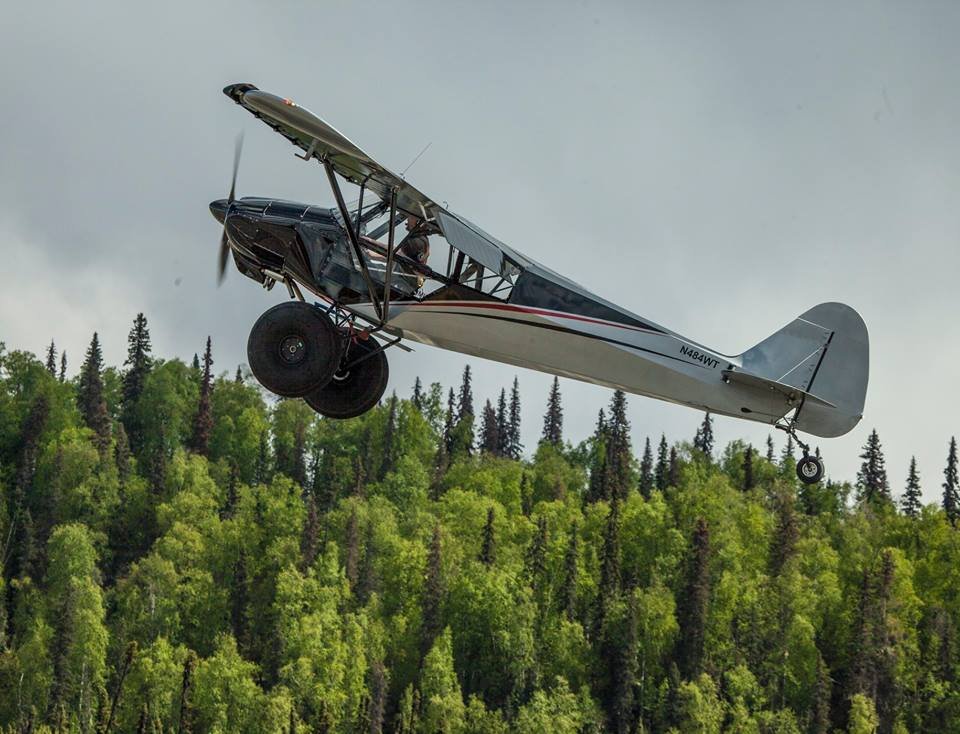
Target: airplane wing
{"points": [[319, 140]]}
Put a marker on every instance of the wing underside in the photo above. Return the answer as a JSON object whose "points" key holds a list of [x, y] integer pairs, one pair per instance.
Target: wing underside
{"points": [[321, 141]]}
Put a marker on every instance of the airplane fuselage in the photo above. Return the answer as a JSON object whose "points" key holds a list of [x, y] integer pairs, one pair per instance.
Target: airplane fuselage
{"points": [[622, 351]]}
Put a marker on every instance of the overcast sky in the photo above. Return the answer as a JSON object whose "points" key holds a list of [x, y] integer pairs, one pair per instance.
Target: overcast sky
{"points": [[716, 167]]}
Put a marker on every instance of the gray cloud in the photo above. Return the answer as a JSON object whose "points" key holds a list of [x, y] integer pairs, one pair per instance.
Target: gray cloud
{"points": [[718, 169]]}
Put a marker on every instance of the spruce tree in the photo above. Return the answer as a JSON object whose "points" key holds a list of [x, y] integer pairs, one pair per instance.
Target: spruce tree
{"points": [[769, 448], [787, 454], [673, 468], [90, 396], [298, 466], [138, 364], [610, 578], [128, 656], [526, 495], [861, 668], [203, 421], [502, 419], [785, 536], [820, 719], [24, 552], [553, 420], [488, 548], [352, 544], [912, 500], [624, 647], [142, 722], [619, 454], [63, 366], [261, 472], [418, 397], [389, 459], [238, 376], [513, 448], [872, 484], [489, 437], [121, 454], [661, 474], [703, 441], [951, 484], [449, 422], [465, 398], [64, 637], [749, 481], [598, 488], [433, 590], [310, 538], [536, 560], [186, 717], [367, 583], [52, 359], [239, 600], [646, 471], [692, 609], [571, 570], [377, 706]]}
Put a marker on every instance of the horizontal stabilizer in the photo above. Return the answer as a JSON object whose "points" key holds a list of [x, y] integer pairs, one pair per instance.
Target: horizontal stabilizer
{"points": [[793, 395]]}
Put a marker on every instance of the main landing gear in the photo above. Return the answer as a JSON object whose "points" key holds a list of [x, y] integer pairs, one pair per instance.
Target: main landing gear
{"points": [[810, 468], [296, 351]]}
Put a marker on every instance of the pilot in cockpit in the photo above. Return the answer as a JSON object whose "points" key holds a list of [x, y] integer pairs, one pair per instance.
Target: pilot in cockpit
{"points": [[416, 245]]}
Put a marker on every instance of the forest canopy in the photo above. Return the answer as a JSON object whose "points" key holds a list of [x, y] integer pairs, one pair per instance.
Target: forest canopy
{"points": [[181, 552]]}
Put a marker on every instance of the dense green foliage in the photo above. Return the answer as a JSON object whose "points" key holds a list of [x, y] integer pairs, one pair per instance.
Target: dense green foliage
{"points": [[181, 554]]}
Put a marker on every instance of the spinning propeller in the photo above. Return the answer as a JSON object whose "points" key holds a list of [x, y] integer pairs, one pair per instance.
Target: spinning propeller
{"points": [[224, 240]]}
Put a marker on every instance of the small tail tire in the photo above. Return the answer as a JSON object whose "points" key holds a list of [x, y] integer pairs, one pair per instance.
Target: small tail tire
{"points": [[810, 469], [293, 349], [357, 386]]}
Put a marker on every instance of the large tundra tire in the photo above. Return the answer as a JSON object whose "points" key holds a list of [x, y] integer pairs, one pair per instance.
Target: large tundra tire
{"points": [[294, 349]]}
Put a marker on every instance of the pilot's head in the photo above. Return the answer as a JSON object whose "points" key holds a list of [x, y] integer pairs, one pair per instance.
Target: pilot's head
{"points": [[411, 222]]}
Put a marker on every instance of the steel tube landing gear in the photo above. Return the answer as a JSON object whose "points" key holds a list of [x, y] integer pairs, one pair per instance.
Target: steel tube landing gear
{"points": [[293, 349], [810, 468]]}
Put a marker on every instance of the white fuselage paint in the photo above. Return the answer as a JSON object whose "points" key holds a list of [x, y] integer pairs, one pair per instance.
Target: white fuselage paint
{"points": [[651, 362]]}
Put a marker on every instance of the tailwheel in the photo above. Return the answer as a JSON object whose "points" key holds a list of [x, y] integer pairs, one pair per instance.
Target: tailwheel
{"points": [[293, 349], [810, 469], [356, 386]]}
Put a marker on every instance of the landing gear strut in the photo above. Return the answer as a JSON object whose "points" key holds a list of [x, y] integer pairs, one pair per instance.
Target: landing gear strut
{"points": [[810, 468]]}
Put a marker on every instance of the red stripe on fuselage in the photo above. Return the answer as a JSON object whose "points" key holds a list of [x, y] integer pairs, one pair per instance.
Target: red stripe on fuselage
{"points": [[528, 309]]}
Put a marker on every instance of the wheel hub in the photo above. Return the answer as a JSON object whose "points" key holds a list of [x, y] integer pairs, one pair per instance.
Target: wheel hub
{"points": [[293, 350], [809, 469]]}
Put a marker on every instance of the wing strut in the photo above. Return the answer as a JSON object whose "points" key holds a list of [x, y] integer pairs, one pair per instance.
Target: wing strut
{"points": [[390, 253], [354, 237]]}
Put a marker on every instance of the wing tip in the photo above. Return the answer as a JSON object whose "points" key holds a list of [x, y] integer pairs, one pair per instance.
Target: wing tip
{"points": [[236, 91]]}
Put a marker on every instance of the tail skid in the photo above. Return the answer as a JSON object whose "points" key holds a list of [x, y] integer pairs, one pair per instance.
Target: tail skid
{"points": [[821, 360]]}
